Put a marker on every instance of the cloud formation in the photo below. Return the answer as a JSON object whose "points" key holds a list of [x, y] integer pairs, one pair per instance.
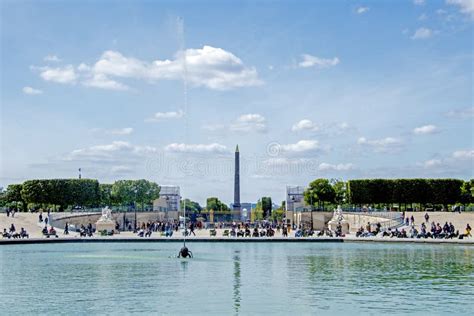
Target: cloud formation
{"points": [[63, 75], [301, 146], [362, 10], [52, 58], [425, 129], [210, 67], [196, 148], [252, 122], [313, 61], [162, 116], [335, 167], [304, 125], [464, 154], [117, 150], [31, 91], [380, 145], [422, 33], [465, 6]]}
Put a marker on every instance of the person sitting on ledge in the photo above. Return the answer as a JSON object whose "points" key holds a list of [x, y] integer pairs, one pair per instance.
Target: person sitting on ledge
{"points": [[185, 253], [6, 234], [44, 230], [247, 232], [299, 233], [23, 233], [52, 231], [467, 233], [255, 232], [140, 233]]}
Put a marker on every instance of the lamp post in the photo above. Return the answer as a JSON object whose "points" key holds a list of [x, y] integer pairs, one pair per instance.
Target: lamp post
{"points": [[135, 208], [311, 199]]}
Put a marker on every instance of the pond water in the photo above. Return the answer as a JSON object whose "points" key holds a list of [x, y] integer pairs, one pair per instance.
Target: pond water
{"points": [[236, 278]]}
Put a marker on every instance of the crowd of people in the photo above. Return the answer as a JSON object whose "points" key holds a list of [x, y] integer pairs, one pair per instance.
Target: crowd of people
{"points": [[12, 233], [435, 231]]}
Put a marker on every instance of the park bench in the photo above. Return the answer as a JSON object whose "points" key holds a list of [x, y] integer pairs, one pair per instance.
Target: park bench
{"points": [[105, 233], [47, 235]]}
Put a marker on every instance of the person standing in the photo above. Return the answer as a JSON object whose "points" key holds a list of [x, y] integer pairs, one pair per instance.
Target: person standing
{"points": [[427, 217], [66, 229]]}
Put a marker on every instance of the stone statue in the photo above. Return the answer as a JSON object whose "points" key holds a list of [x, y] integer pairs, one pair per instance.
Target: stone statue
{"points": [[106, 214], [105, 222]]}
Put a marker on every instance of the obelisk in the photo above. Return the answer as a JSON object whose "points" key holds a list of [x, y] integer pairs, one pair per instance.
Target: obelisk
{"points": [[236, 205]]}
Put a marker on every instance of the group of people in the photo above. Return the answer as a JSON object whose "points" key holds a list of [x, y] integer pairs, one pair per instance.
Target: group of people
{"points": [[436, 231], [49, 232], [12, 233]]}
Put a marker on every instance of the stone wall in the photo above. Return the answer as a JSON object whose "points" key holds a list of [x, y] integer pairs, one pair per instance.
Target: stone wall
{"points": [[80, 219]]}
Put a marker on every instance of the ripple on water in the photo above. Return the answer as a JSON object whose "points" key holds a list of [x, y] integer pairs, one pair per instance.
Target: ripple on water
{"points": [[253, 278]]}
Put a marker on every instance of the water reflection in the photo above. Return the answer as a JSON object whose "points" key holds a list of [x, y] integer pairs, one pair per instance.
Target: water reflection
{"points": [[236, 295]]}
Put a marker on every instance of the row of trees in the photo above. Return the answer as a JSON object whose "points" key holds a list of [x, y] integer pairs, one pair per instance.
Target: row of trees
{"points": [[389, 191], [407, 191], [80, 192]]}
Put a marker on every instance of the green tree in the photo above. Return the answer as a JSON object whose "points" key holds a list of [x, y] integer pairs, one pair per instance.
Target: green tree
{"points": [[192, 206], [266, 202], [340, 190], [105, 192], [319, 191], [62, 192], [127, 192], [13, 196], [215, 204]]}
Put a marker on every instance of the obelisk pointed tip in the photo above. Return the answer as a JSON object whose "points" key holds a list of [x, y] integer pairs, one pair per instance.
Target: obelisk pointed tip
{"points": [[237, 148]]}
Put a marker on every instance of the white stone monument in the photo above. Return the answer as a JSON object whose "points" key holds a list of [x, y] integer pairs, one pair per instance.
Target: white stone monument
{"points": [[105, 222], [337, 219]]}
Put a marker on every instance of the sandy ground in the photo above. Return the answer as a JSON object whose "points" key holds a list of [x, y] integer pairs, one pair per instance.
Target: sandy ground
{"points": [[33, 227]]}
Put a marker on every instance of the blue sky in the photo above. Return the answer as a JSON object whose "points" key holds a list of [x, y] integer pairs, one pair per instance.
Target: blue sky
{"points": [[334, 89]]}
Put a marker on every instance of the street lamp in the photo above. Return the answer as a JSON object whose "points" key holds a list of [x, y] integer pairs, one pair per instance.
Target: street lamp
{"points": [[311, 199], [135, 209]]}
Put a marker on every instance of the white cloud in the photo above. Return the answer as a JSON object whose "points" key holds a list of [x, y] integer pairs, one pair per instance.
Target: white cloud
{"points": [[162, 116], [464, 154], [362, 10], [213, 127], [461, 113], [110, 152], [120, 131], [380, 145], [465, 6], [196, 148], [63, 75], [301, 146], [422, 17], [249, 123], [305, 124], [432, 163], [209, 66], [335, 167], [313, 61], [120, 170], [32, 91], [422, 33], [426, 129], [52, 58], [418, 2], [99, 80]]}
